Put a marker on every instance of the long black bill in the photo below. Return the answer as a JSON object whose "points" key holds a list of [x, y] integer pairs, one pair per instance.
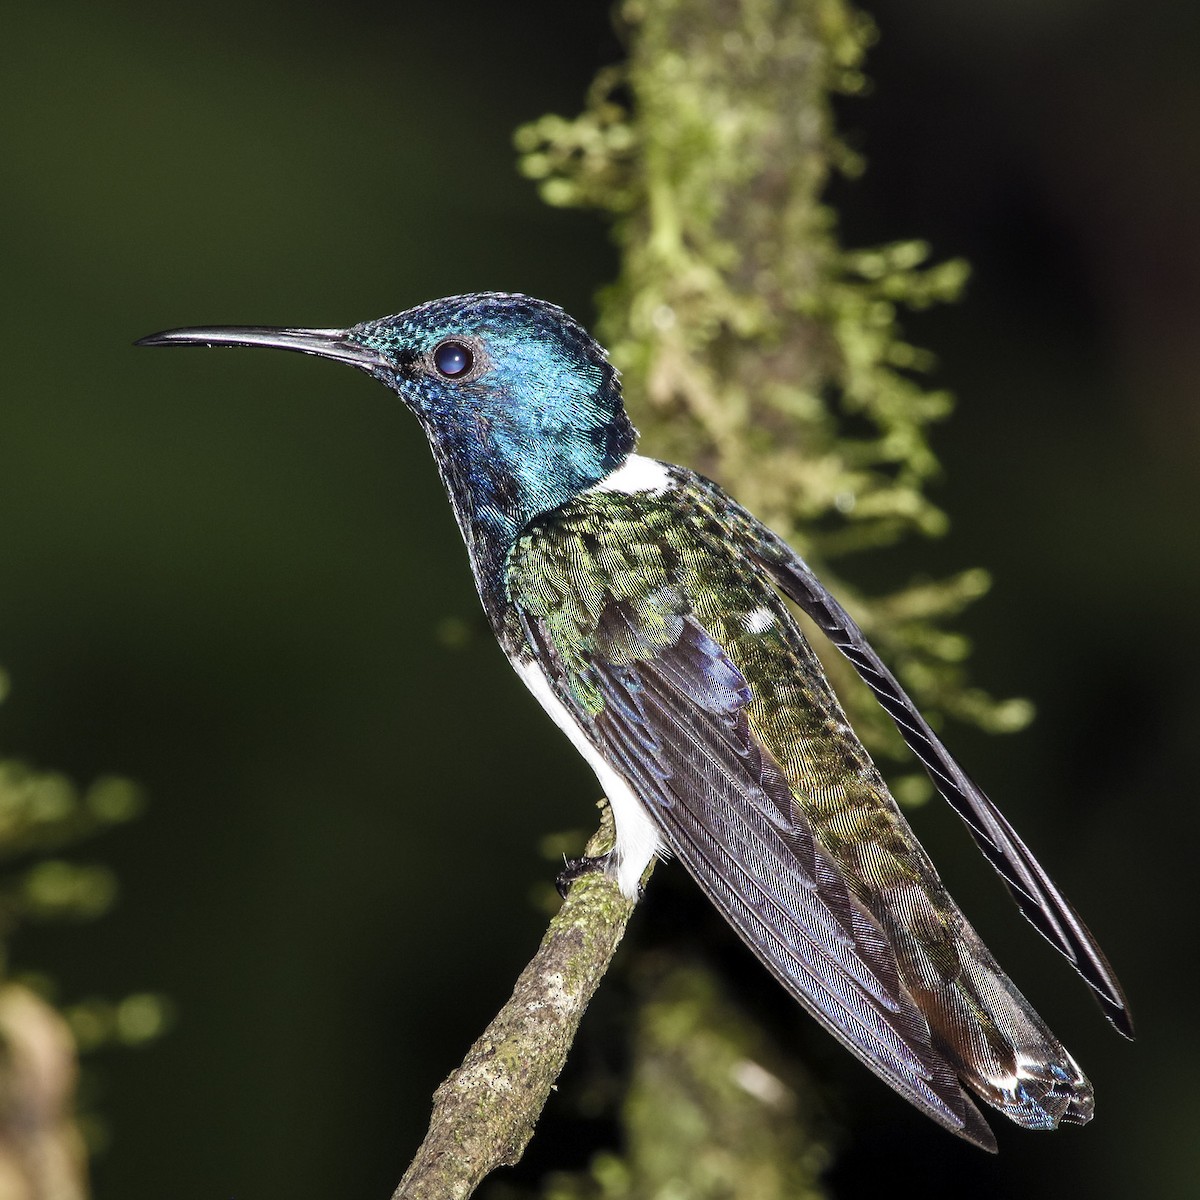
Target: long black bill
{"points": [[325, 343]]}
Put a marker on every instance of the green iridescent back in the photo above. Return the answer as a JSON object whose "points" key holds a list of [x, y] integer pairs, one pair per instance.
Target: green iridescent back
{"points": [[691, 553], [686, 551]]}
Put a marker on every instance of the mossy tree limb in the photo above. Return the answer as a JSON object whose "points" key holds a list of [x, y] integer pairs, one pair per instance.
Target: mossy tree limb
{"points": [[713, 1108], [484, 1114], [42, 1153], [753, 346]]}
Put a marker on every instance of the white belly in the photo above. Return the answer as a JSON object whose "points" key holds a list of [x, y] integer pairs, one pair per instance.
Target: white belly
{"points": [[637, 837]]}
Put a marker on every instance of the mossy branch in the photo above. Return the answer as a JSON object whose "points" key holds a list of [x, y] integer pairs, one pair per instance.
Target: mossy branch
{"points": [[484, 1114], [753, 346]]}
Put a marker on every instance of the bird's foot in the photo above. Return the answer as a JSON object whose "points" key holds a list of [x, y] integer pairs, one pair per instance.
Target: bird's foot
{"points": [[575, 868]]}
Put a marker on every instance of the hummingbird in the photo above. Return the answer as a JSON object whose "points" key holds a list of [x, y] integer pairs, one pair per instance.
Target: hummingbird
{"points": [[648, 613]]}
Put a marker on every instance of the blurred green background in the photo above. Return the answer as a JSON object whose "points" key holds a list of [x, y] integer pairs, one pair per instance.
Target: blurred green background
{"points": [[234, 576]]}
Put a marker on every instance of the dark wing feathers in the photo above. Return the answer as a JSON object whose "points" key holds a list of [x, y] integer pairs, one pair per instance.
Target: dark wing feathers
{"points": [[673, 725], [1034, 892]]}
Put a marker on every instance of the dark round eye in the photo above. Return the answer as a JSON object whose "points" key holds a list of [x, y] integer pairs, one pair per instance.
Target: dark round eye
{"points": [[452, 359]]}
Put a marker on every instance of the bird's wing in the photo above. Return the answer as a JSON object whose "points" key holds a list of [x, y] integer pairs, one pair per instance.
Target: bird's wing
{"points": [[1033, 890], [664, 705]]}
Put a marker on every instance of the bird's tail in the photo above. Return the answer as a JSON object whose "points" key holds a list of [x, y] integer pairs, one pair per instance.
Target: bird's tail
{"points": [[999, 1046]]}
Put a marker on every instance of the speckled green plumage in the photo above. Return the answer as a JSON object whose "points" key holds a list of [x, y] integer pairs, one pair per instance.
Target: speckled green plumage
{"points": [[690, 550]]}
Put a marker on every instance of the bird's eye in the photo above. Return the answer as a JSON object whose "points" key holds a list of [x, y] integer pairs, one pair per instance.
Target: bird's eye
{"points": [[452, 359]]}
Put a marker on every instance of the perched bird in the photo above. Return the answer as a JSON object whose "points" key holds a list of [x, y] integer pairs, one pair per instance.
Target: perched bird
{"points": [[646, 611]]}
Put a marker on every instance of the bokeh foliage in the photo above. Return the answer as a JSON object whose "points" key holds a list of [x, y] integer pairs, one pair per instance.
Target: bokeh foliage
{"points": [[43, 816]]}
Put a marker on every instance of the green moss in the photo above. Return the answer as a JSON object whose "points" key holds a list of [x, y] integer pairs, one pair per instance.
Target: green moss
{"points": [[753, 347], [709, 1114]]}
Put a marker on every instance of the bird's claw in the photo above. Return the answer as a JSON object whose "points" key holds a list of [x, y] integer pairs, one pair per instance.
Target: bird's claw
{"points": [[575, 868]]}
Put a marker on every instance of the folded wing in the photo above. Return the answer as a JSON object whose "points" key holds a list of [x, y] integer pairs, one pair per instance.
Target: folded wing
{"points": [[673, 724], [1034, 891]]}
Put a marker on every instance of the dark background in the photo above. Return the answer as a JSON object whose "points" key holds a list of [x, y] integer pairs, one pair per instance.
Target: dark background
{"points": [[229, 575]]}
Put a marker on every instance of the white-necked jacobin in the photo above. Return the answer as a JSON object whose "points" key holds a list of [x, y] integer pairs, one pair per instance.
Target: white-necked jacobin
{"points": [[646, 611]]}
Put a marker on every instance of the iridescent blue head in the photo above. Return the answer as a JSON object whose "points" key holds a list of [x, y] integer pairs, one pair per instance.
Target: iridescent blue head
{"points": [[520, 405]]}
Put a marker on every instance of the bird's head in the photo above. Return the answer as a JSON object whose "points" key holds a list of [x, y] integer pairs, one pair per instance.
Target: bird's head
{"points": [[508, 380], [521, 406]]}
